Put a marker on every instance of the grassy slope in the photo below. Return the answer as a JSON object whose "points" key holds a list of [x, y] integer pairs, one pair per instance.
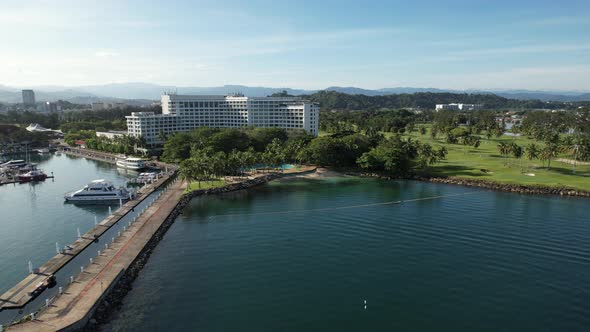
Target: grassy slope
{"points": [[204, 185], [467, 162]]}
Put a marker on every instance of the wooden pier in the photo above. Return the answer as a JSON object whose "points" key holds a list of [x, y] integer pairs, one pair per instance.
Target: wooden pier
{"points": [[22, 293], [71, 310]]}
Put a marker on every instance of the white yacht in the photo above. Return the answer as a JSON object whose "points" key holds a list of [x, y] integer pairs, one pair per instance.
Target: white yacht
{"points": [[131, 163], [147, 177], [99, 190], [14, 164]]}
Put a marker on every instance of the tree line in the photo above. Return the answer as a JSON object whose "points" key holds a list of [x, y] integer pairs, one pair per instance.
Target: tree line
{"points": [[207, 153]]}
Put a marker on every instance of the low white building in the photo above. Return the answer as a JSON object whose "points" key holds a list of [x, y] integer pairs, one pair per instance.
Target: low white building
{"points": [[458, 107], [186, 112], [110, 134]]}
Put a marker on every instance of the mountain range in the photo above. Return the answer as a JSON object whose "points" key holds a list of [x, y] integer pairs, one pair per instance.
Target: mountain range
{"points": [[144, 93]]}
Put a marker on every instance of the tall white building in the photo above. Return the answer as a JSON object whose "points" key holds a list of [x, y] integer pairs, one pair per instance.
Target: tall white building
{"points": [[458, 107], [185, 113]]}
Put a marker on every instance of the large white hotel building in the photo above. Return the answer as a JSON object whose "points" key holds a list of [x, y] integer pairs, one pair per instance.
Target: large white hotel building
{"points": [[185, 113]]}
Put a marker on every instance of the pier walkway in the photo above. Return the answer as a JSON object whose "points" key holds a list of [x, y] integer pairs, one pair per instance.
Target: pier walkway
{"points": [[22, 293], [105, 156], [71, 309]]}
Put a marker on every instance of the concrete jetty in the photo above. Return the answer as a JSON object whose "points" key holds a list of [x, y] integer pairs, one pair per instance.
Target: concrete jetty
{"points": [[21, 294], [76, 302], [72, 309]]}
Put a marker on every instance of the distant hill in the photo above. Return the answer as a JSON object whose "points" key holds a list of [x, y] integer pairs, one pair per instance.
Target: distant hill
{"points": [[146, 92], [333, 100]]}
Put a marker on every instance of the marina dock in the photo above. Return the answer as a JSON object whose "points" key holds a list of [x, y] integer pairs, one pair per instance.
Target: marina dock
{"points": [[23, 292], [72, 308]]}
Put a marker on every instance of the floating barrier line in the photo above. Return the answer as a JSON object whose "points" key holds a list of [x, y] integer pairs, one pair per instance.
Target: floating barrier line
{"points": [[346, 207]]}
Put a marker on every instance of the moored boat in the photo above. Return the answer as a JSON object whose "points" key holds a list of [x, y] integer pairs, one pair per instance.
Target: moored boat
{"points": [[33, 175], [131, 163], [99, 190], [13, 164]]}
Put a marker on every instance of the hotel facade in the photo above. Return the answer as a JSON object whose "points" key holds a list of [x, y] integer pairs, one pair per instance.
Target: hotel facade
{"points": [[186, 112]]}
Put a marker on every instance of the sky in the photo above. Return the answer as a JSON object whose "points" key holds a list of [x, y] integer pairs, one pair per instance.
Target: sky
{"points": [[451, 44]]}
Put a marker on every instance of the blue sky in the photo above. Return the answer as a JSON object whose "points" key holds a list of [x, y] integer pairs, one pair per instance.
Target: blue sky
{"points": [[300, 44]]}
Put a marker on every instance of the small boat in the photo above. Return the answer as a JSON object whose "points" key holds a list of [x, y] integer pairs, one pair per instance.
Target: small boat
{"points": [[43, 151], [40, 287], [99, 190], [13, 164], [131, 163], [146, 177], [33, 175]]}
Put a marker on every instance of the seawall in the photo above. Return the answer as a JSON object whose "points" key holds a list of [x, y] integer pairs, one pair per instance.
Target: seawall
{"points": [[112, 301], [487, 184]]}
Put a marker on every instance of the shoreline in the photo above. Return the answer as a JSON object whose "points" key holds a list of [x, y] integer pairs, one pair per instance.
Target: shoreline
{"points": [[486, 184], [113, 300]]}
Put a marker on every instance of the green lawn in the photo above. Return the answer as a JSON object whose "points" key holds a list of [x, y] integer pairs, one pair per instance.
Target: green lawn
{"points": [[487, 163], [195, 185]]}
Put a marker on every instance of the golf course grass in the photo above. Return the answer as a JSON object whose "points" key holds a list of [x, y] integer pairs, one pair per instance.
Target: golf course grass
{"points": [[486, 163]]}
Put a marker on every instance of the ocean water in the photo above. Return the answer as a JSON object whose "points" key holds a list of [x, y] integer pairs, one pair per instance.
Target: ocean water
{"points": [[305, 255]]}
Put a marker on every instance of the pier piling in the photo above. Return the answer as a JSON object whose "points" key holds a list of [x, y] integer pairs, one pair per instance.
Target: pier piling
{"points": [[30, 267]]}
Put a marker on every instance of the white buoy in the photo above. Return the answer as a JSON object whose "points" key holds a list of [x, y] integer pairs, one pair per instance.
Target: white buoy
{"points": [[120, 202], [30, 267], [57, 248], [91, 261], [47, 302], [71, 279], [98, 253], [95, 220], [60, 290], [78, 230], [110, 211], [81, 268], [32, 316], [118, 234], [113, 239]]}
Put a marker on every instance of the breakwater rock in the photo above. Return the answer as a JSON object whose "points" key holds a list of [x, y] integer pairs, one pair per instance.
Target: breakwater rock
{"points": [[508, 187], [114, 299], [487, 184]]}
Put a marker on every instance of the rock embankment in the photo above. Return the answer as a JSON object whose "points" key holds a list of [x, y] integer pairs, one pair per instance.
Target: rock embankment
{"points": [[114, 299], [509, 187], [480, 183]]}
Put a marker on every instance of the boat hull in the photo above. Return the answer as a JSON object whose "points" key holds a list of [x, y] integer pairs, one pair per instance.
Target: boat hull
{"points": [[96, 199]]}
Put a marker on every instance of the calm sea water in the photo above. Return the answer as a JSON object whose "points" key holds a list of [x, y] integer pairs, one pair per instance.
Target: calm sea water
{"points": [[294, 255]]}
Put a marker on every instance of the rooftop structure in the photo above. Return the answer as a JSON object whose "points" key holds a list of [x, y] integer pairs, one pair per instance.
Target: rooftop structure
{"points": [[458, 107]]}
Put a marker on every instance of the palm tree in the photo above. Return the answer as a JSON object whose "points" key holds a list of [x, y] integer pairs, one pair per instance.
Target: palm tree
{"points": [[504, 150], [532, 151], [516, 151], [549, 152]]}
